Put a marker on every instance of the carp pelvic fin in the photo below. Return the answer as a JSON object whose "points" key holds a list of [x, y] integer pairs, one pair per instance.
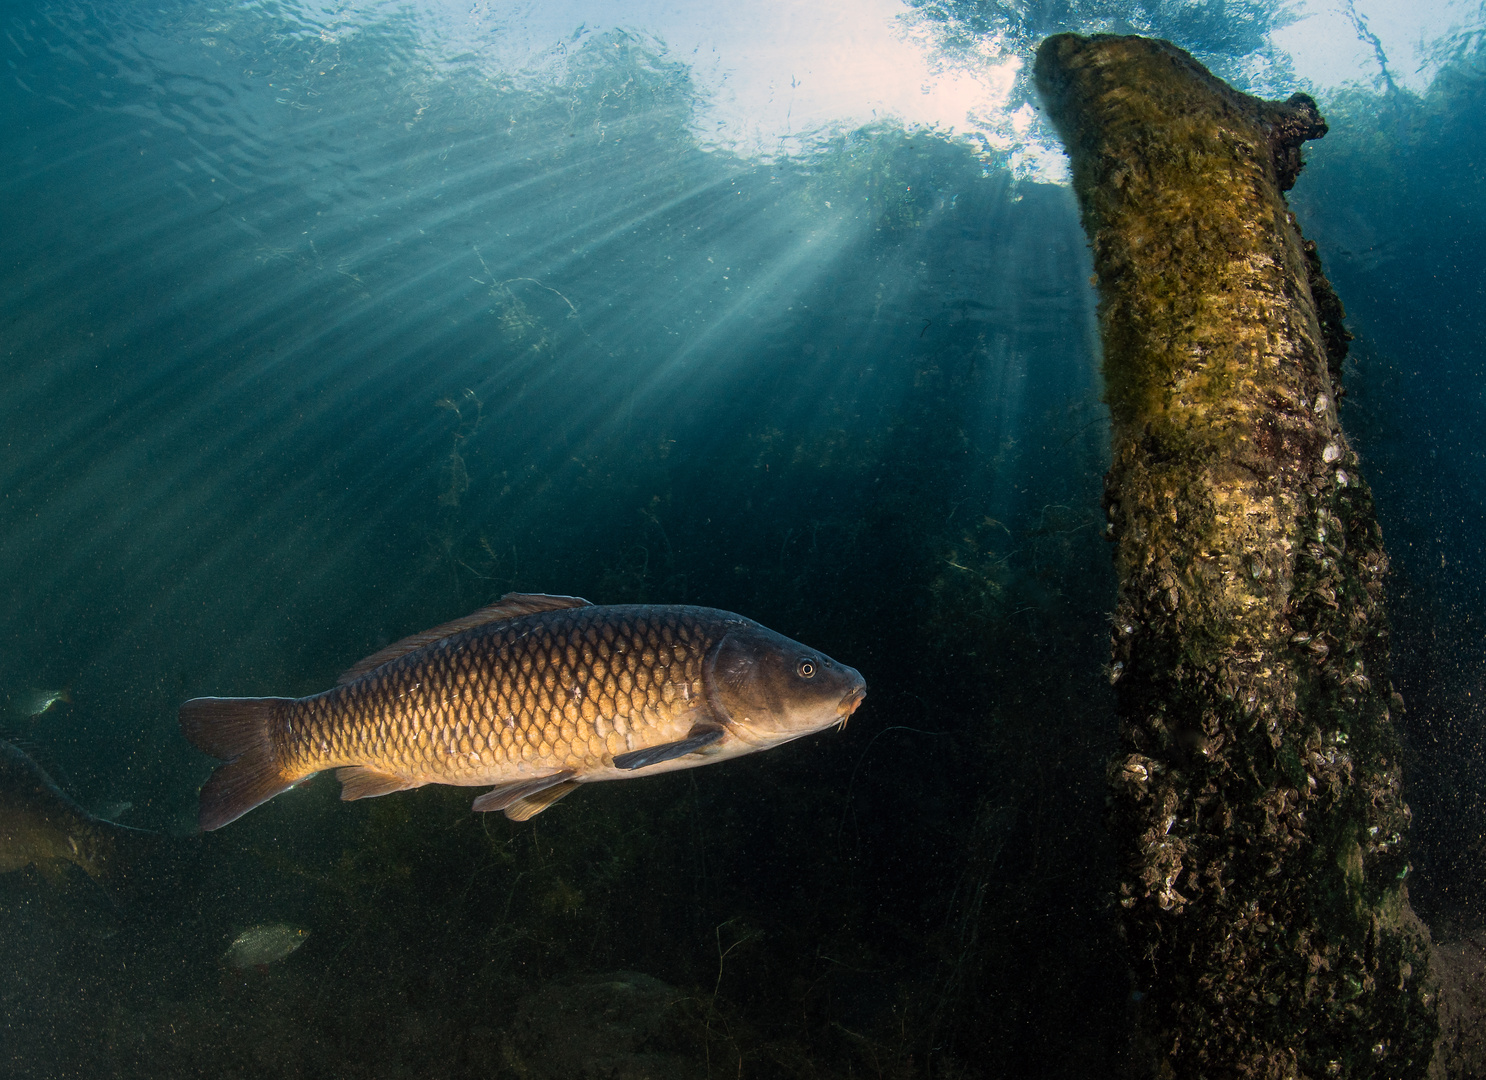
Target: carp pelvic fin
{"points": [[236, 731], [513, 791], [699, 736], [510, 606], [359, 782], [533, 805]]}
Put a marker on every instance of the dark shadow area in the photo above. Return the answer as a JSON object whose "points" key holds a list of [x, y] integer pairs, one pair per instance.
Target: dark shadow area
{"points": [[1393, 197]]}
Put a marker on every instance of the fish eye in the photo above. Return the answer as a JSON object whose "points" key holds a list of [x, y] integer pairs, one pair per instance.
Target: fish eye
{"points": [[805, 669]]}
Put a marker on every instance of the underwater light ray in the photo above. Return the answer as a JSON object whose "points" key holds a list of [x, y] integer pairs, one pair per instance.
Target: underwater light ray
{"points": [[192, 529], [629, 298], [518, 263], [632, 208], [86, 432], [290, 493], [456, 214], [146, 399], [396, 276], [784, 274], [214, 473], [1005, 402], [489, 192], [595, 402], [628, 217]]}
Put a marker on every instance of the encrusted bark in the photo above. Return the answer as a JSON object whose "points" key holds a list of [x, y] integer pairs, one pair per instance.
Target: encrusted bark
{"points": [[1256, 800]]}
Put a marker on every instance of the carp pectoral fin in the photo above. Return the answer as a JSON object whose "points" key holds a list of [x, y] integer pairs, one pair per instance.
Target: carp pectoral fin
{"points": [[510, 606], [700, 735], [359, 782], [533, 805], [503, 795]]}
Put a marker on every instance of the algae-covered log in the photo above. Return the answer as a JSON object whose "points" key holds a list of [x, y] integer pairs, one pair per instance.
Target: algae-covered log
{"points": [[1256, 799]]}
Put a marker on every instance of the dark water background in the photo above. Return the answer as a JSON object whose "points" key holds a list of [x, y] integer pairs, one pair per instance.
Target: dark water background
{"points": [[312, 340]]}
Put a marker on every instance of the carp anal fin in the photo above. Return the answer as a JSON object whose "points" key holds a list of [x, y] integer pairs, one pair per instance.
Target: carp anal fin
{"points": [[700, 735], [510, 606], [359, 782], [533, 805], [513, 791], [236, 731]]}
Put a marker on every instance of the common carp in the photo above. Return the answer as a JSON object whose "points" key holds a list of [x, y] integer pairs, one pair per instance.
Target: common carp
{"points": [[534, 694], [41, 826]]}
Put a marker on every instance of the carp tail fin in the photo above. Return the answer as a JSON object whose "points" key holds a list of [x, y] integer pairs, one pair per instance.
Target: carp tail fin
{"points": [[237, 731]]}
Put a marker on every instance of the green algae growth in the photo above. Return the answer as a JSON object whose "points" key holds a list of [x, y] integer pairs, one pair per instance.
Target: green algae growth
{"points": [[1256, 798]]}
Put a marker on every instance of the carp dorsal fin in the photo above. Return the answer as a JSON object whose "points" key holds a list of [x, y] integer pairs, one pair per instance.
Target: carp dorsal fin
{"points": [[699, 736], [510, 606]]}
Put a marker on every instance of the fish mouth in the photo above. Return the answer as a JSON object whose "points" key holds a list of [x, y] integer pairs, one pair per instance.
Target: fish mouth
{"points": [[850, 702]]}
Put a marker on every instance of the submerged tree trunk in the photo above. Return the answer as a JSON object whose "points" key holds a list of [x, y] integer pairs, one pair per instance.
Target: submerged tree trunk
{"points": [[1256, 801]]}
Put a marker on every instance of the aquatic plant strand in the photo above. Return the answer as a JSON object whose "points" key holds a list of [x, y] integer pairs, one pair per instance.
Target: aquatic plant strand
{"points": [[1256, 800]]}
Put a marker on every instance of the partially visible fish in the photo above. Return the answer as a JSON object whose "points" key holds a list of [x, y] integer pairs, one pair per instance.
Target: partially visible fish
{"points": [[41, 826], [258, 946], [534, 694], [33, 703]]}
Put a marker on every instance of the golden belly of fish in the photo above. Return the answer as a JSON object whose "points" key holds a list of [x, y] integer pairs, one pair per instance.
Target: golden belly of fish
{"points": [[534, 695]]}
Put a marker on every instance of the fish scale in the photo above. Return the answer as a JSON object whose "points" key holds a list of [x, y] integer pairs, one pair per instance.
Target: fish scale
{"points": [[534, 695], [560, 688]]}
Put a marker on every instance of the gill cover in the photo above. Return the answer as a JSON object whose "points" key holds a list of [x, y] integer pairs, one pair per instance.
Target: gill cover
{"points": [[736, 679], [767, 685]]}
